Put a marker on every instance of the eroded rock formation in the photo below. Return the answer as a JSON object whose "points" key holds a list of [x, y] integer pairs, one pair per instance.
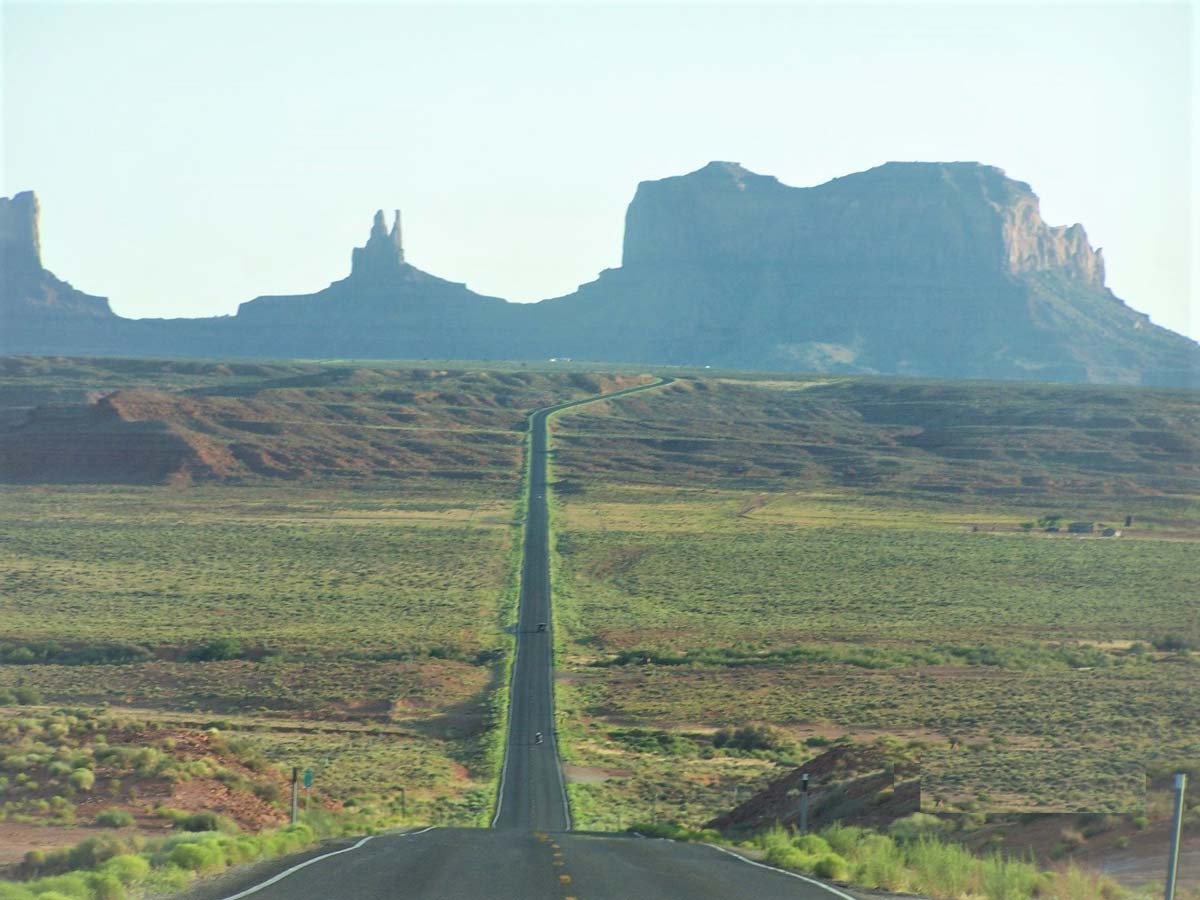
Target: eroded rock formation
{"points": [[382, 257], [910, 268]]}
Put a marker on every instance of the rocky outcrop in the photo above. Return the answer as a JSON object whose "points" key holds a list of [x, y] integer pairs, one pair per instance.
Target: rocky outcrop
{"points": [[385, 309], [938, 218], [927, 269], [107, 442], [20, 249], [922, 269], [382, 257], [31, 298]]}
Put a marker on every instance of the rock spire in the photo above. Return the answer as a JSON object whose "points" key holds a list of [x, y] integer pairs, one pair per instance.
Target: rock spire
{"points": [[383, 254], [20, 249]]}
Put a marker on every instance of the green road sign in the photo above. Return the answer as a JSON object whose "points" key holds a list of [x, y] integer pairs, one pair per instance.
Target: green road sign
{"points": [[308, 778]]}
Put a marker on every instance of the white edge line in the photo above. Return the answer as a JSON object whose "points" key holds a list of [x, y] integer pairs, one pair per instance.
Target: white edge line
{"points": [[308, 862], [811, 881]]}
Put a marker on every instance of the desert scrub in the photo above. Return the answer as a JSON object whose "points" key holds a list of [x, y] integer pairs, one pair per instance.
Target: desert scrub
{"points": [[917, 861], [112, 868], [114, 818]]}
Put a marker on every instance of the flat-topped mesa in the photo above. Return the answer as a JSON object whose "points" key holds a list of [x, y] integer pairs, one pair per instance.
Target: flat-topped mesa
{"points": [[952, 220], [20, 250], [383, 254]]}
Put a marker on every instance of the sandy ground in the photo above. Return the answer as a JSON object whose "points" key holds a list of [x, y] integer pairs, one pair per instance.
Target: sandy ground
{"points": [[1135, 866], [591, 774], [16, 840]]}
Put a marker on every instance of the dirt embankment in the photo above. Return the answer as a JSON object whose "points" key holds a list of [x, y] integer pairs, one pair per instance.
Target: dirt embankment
{"points": [[352, 423]]}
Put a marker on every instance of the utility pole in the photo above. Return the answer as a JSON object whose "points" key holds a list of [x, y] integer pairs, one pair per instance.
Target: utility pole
{"points": [[295, 791], [1176, 834], [804, 803]]}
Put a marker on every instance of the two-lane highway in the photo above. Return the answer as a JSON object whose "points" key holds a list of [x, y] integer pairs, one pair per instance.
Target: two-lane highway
{"points": [[514, 864], [532, 793], [530, 852]]}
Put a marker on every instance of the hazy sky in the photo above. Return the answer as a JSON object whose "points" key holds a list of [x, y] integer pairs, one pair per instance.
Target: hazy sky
{"points": [[190, 156]]}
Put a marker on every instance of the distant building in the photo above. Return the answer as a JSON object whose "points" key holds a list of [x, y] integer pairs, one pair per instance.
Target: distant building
{"points": [[1081, 527]]}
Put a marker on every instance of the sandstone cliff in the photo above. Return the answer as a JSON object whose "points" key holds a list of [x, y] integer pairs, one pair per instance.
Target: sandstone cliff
{"points": [[922, 269], [26, 288], [940, 269], [20, 247]]}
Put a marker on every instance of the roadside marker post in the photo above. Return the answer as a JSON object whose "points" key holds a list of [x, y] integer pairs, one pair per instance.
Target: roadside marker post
{"points": [[295, 790], [804, 803], [1176, 834]]}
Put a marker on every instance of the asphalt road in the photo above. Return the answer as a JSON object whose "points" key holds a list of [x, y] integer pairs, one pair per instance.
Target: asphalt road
{"points": [[530, 852], [532, 792], [516, 864]]}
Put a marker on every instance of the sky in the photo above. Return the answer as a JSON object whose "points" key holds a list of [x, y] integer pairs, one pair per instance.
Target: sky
{"points": [[190, 156]]}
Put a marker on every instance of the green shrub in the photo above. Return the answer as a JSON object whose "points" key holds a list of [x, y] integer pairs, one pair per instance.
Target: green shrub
{"points": [[201, 821], [114, 818], [126, 868], [268, 791], [833, 867], [106, 887], [811, 843], [1008, 880], [751, 737], [82, 779], [91, 852], [918, 825], [775, 842], [216, 650], [51, 652], [672, 831], [843, 838], [946, 869], [1175, 642], [27, 696], [196, 857], [73, 885], [878, 862]]}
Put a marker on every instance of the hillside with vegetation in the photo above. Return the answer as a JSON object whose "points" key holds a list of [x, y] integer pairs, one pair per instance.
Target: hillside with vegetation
{"points": [[991, 579], [962, 602]]}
